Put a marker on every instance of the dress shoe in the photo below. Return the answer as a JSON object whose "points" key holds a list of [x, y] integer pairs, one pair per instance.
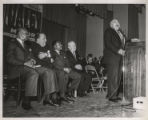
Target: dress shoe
{"points": [[51, 103], [118, 98], [26, 105], [107, 96], [69, 95], [82, 94], [64, 99], [56, 101], [113, 100], [70, 99]]}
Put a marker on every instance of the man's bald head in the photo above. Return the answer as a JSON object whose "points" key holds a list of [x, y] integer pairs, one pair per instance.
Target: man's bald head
{"points": [[41, 39], [72, 46]]}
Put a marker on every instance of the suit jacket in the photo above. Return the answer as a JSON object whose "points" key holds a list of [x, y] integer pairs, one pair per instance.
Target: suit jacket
{"points": [[16, 57], [72, 60], [36, 49], [60, 61], [112, 43]]}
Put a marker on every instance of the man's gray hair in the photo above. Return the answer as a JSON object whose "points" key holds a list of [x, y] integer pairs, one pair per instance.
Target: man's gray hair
{"points": [[112, 22], [71, 42]]}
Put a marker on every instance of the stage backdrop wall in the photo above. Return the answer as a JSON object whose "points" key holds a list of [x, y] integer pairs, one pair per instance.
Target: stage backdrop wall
{"points": [[74, 23], [132, 22], [53, 32], [142, 24], [133, 28], [94, 36], [120, 12]]}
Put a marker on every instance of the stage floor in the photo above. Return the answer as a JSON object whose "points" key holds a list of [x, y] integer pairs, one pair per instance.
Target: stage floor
{"points": [[93, 105]]}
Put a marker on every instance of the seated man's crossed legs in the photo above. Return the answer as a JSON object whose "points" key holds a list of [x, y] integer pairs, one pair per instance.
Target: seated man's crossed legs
{"points": [[75, 78], [63, 79], [84, 85], [31, 79]]}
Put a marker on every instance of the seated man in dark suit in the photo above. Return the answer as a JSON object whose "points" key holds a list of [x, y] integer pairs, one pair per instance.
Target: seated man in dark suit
{"points": [[22, 63], [43, 57], [75, 64], [64, 72]]}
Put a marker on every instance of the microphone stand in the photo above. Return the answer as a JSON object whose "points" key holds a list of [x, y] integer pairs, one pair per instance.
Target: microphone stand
{"points": [[124, 101]]}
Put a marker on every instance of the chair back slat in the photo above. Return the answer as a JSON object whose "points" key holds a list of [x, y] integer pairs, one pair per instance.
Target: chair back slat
{"points": [[95, 78], [93, 69]]}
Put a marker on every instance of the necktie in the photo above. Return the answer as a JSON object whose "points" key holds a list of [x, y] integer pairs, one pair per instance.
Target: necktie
{"points": [[59, 53], [22, 43], [74, 54], [121, 37]]}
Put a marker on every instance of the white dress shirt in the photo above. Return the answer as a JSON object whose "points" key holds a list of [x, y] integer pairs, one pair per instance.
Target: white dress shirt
{"points": [[21, 42]]}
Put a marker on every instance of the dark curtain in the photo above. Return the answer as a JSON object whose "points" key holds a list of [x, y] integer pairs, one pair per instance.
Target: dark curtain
{"points": [[133, 29], [53, 32], [74, 23], [109, 17], [6, 40]]}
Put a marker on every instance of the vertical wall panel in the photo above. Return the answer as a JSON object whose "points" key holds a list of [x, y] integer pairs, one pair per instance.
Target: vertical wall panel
{"points": [[75, 24], [133, 28], [120, 12], [142, 24], [94, 37]]}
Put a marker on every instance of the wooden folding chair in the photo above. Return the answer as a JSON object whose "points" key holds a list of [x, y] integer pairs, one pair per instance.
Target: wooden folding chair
{"points": [[97, 82], [13, 86], [104, 81], [17, 86]]}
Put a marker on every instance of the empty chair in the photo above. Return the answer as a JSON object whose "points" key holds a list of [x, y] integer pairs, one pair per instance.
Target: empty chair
{"points": [[103, 79], [97, 82]]}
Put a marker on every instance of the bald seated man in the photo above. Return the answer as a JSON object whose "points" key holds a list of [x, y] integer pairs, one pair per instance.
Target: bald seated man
{"points": [[76, 65], [43, 58], [20, 64]]}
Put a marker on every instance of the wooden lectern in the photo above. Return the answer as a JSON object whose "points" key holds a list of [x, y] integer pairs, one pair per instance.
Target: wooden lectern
{"points": [[135, 70]]}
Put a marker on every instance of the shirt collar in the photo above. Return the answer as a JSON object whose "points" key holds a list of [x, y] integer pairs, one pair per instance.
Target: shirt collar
{"points": [[57, 52], [20, 41]]}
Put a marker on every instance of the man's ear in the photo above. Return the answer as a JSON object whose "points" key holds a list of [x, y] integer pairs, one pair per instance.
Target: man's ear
{"points": [[68, 47], [37, 40]]}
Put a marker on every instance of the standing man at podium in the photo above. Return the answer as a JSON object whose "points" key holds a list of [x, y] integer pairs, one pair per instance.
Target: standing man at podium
{"points": [[113, 52]]}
